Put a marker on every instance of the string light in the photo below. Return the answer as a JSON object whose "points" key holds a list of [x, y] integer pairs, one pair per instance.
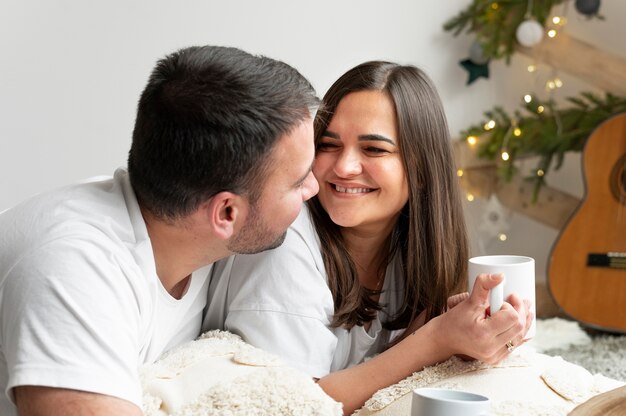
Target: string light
{"points": [[502, 237], [495, 5], [489, 125], [528, 98], [505, 155], [554, 83], [540, 172], [470, 197], [540, 109], [531, 68], [472, 140], [556, 20], [517, 132], [551, 33], [459, 172]]}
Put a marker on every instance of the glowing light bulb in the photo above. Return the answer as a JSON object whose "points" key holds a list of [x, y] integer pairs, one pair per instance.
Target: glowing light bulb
{"points": [[550, 85], [540, 109], [472, 140], [532, 68], [551, 33], [556, 20], [540, 172], [505, 155], [558, 83], [517, 132], [470, 197], [489, 125], [495, 5], [459, 172], [502, 237], [528, 98]]}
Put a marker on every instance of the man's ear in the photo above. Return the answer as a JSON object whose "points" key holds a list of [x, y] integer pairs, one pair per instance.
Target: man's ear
{"points": [[225, 211]]}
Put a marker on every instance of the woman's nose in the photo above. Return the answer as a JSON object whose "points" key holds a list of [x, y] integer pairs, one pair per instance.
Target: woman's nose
{"points": [[348, 164]]}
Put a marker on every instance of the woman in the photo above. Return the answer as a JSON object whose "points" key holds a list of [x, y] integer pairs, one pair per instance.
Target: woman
{"points": [[369, 266]]}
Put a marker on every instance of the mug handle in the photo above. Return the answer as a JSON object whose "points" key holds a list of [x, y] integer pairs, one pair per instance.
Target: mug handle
{"points": [[496, 297]]}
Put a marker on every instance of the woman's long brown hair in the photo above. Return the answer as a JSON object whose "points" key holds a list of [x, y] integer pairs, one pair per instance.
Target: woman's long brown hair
{"points": [[430, 234]]}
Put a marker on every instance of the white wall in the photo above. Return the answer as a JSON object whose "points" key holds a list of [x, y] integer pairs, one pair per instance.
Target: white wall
{"points": [[71, 72]]}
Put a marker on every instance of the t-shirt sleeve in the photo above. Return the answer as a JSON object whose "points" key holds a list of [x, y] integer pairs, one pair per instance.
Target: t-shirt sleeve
{"points": [[279, 301], [70, 319]]}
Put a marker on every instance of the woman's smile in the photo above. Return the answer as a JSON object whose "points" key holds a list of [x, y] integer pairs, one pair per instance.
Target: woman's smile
{"points": [[351, 190]]}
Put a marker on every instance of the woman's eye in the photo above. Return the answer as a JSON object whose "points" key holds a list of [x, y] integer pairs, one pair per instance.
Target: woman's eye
{"points": [[376, 150], [326, 146]]}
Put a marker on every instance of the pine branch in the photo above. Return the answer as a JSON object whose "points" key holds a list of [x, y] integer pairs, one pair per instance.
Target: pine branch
{"points": [[540, 132], [495, 22]]}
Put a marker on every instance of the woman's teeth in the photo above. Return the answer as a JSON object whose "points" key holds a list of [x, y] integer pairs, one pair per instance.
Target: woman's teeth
{"points": [[352, 190]]}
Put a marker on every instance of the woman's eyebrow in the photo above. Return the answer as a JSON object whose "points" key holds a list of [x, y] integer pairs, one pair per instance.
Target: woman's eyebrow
{"points": [[377, 137], [331, 134]]}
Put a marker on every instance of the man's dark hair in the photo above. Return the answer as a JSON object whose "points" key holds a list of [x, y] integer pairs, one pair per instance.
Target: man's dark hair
{"points": [[207, 122]]}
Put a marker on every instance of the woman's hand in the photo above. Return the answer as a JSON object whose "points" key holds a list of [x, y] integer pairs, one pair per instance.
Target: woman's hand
{"points": [[467, 329]]}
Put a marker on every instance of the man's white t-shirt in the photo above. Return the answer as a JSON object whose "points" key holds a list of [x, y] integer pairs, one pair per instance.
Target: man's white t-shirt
{"points": [[279, 300], [81, 306]]}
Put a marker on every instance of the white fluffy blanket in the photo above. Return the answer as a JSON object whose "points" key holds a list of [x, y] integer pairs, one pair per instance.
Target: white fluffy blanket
{"points": [[219, 374], [526, 383]]}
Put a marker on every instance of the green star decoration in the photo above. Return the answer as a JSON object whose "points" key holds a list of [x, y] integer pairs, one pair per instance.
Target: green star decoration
{"points": [[475, 71]]}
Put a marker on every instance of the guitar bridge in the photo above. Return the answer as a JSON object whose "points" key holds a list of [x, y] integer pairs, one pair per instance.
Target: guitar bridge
{"points": [[613, 260]]}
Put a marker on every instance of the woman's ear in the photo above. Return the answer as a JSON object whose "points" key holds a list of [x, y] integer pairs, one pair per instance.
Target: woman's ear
{"points": [[224, 212]]}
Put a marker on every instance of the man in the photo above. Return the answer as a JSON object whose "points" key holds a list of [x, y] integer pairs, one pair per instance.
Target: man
{"points": [[98, 278]]}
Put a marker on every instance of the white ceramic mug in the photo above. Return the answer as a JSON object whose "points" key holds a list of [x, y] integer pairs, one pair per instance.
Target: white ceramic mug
{"points": [[519, 278], [443, 402]]}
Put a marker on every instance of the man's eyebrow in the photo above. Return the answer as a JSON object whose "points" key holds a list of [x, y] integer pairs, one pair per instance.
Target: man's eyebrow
{"points": [[303, 177], [377, 137]]}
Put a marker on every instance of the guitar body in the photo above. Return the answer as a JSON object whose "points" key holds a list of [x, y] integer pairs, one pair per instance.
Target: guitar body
{"points": [[587, 265]]}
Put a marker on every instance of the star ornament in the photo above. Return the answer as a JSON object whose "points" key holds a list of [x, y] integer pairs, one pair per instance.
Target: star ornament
{"points": [[474, 70]]}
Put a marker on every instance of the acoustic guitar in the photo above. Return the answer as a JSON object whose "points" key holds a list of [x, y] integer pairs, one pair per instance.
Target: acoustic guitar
{"points": [[587, 264]]}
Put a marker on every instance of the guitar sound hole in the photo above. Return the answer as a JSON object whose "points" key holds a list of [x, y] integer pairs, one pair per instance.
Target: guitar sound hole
{"points": [[618, 180]]}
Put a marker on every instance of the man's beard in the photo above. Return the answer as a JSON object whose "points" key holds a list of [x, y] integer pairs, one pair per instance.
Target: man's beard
{"points": [[255, 236]]}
